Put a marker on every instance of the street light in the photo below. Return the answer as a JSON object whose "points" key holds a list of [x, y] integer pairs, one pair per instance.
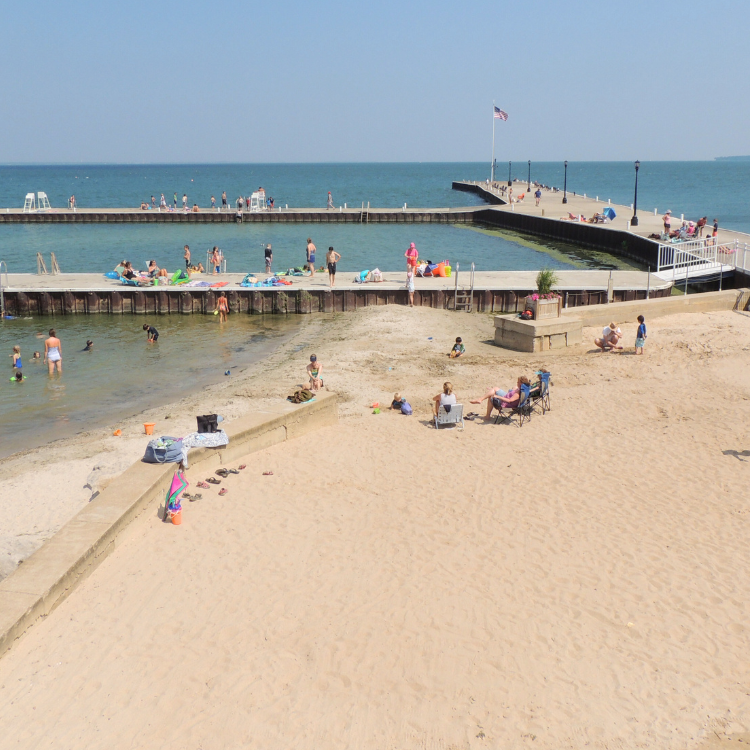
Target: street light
{"points": [[528, 187], [509, 182], [634, 220], [565, 187]]}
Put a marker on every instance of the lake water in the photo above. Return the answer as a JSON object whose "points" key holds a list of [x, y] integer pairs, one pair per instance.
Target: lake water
{"points": [[123, 375]]}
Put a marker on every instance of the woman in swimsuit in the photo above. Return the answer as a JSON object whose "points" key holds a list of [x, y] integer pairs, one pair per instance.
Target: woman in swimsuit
{"points": [[223, 307], [332, 257], [314, 370], [53, 352]]}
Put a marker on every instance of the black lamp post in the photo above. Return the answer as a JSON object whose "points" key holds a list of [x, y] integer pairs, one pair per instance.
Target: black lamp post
{"points": [[509, 182], [528, 187], [634, 220], [565, 187]]}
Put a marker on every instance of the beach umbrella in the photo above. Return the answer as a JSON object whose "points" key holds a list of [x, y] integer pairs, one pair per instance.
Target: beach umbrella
{"points": [[609, 212], [178, 486]]}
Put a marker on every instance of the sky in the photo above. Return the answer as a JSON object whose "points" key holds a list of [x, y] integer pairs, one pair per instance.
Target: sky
{"points": [[387, 81]]}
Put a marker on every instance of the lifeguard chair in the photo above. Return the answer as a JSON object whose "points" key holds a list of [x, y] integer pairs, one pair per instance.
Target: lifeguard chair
{"points": [[42, 203], [258, 201], [29, 204]]}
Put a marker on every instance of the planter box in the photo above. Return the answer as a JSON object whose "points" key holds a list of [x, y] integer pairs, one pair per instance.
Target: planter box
{"points": [[544, 309]]}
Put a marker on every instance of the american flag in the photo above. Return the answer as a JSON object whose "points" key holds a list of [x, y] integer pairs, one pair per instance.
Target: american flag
{"points": [[499, 114]]}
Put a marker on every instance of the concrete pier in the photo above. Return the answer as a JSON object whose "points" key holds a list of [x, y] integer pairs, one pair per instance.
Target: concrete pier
{"points": [[498, 292]]}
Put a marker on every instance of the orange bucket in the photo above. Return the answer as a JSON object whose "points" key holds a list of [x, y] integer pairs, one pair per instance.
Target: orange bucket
{"points": [[149, 427], [117, 433], [177, 518]]}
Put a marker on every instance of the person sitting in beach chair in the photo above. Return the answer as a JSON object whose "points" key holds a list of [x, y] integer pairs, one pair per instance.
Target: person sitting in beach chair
{"points": [[520, 404], [498, 398]]}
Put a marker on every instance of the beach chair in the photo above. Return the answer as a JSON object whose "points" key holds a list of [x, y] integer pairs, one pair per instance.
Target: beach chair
{"points": [[522, 411], [540, 397], [455, 416]]}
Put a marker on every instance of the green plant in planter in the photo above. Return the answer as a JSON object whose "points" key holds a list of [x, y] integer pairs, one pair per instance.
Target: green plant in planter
{"points": [[545, 280]]}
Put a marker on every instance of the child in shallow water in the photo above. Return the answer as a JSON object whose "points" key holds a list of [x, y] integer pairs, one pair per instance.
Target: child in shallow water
{"points": [[17, 362], [19, 377]]}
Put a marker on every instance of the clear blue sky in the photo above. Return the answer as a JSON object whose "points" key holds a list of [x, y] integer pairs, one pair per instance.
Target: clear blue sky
{"points": [[373, 81]]}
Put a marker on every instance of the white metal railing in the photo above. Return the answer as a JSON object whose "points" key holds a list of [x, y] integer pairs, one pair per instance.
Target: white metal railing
{"points": [[4, 265]]}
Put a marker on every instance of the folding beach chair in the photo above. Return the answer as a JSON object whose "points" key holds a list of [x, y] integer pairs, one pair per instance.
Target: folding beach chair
{"points": [[540, 398], [522, 411], [455, 416]]}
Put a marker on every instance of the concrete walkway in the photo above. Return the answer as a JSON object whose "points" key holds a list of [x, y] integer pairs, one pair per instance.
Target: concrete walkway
{"points": [[594, 280]]}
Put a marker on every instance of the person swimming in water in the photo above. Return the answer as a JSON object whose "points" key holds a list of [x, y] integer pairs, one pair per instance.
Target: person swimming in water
{"points": [[53, 352]]}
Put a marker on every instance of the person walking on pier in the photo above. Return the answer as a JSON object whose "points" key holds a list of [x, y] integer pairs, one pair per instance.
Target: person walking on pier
{"points": [[162, 202], [310, 250], [329, 205], [213, 202], [175, 200], [332, 257], [538, 196], [53, 352], [269, 259], [412, 254], [224, 199], [186, 256]]}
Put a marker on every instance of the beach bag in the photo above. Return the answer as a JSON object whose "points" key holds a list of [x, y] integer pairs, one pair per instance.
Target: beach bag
{"points": [[163, 450], [112, 275], [208, 423], [406, 408], [300, 397]]}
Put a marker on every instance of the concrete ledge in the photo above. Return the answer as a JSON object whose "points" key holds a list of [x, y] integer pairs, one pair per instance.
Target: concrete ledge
{"points": [[46, 578], [628, 312], [537, 335]]}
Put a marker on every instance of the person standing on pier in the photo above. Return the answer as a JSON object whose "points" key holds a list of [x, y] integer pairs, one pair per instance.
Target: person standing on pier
{"points": [[216, 256], [329, 205], [153, 202], [715, 233], [162, 202], [53, 352], [332, 258], [269, 259], [538, 196], [175, 200], [311, 256], [213, 202], [701, 225], [186, 256], [412, 254], [224, 199], [184, 200], [667, 220]]}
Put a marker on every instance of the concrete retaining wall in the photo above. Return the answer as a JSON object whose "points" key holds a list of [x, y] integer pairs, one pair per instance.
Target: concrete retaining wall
{"points": [[50, 575], [628, 312]]}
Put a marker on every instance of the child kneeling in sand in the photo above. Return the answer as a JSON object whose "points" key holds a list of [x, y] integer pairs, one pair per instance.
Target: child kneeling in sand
{"points": [[458, 349]]}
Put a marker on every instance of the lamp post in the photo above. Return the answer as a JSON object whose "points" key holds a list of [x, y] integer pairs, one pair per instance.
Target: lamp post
{"points": [[528, 187], [565, 186], [509, 182], [634, 220]]}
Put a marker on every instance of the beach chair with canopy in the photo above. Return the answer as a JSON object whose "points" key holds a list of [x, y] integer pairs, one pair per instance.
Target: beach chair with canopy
{"points": [[522, 410], [540, 397], [453, 417]]}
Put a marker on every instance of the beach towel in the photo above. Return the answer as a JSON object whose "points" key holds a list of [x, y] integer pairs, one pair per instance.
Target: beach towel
{"points": [[202, 440], [218, 284]]}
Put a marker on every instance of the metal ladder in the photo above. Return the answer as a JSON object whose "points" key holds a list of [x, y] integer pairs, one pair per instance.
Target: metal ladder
{"points": [[462, 299], [364, 217], [4, 265]]}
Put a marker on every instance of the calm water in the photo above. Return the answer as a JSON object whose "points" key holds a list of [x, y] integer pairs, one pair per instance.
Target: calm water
{"points": [[123, 375], [716, 189]]}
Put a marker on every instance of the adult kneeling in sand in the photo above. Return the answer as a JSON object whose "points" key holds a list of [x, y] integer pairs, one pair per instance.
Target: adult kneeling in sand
{"points": [[611, 335], [447, 398], [314, 370], [498, 398]]}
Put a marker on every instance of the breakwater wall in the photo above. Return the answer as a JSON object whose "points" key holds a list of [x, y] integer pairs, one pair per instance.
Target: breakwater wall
{"points": [[285, 216], [279, 302]]}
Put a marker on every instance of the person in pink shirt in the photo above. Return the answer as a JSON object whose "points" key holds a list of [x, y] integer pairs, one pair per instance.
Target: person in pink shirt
{"points": [[411, 257]]}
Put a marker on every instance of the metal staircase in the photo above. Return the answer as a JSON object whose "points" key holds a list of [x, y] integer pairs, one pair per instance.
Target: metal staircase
{"points": [[463, 299]]}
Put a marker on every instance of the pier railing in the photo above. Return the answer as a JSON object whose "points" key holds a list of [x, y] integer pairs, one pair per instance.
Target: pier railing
{"points": [[701, 258]]}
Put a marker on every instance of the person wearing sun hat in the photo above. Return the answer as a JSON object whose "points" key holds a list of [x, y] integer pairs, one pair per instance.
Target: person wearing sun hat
{"points": [[411, 257], [667, 219]]}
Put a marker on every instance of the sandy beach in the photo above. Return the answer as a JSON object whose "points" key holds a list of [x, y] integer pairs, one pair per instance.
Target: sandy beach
{"points": [[580, 582]]}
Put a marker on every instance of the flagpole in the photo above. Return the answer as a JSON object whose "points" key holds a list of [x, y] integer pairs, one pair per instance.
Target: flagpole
{"points": [[492, 165]]}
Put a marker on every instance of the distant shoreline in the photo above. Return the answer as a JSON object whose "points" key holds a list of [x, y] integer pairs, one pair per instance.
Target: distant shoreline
{"points": [[733, 158]]}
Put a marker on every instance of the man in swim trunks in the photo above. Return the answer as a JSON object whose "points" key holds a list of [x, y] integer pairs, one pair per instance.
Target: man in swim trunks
{"points": [[186, 256], [53, 352], [269, 258], [314, 370], [311, 255], [153, 334], [332, 257]]}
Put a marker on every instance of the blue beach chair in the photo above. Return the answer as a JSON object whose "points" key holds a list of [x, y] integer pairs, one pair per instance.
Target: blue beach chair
{"points": [[522, 410]]}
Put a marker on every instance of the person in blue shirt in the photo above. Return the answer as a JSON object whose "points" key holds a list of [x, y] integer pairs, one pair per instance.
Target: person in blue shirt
{"points": [[640, 337]]}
